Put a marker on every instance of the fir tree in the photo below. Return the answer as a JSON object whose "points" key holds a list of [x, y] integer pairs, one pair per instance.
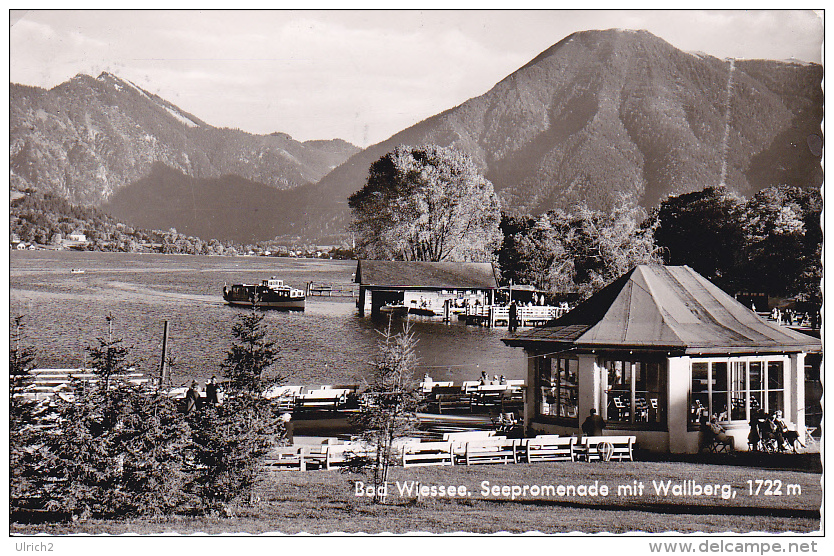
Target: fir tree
{"points": [[118, 453], [21, 360], [229, 442], [251, 354], [109, 357]]}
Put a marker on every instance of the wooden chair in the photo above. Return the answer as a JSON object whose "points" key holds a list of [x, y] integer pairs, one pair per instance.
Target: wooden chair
{"points": [[623, 410], [712, 444]]}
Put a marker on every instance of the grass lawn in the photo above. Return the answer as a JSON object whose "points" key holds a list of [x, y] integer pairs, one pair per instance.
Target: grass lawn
{"points": [[326, 501]]}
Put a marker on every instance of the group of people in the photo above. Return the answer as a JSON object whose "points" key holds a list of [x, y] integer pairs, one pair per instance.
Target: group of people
{"points": [[770, 429], [495, 379], [768, 432], [791, 317], [193, 399]]}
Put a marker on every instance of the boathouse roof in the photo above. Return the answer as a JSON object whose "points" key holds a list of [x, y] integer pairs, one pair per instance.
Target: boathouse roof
{"points": [[425, 275], [669, 308]]}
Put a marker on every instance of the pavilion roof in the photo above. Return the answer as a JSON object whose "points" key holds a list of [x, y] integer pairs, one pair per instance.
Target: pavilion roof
{"points": [[667, 307]]}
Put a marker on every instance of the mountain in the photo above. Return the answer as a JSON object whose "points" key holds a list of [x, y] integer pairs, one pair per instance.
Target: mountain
{"points": [[606, 114], [598, 116], [225, 208], [88, 138]]}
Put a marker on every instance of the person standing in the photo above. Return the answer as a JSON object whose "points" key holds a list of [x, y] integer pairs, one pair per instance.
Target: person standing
{"points": [[211, 391], [593, 424], [192, 397], [513, 317]]}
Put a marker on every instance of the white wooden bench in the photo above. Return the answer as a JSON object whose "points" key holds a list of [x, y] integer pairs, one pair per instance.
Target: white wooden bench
{"points": [[549, 447], [329, 398], [328, 456], [426, 453], [621, 447], [459, 439], [497, 449], [285, 458]]}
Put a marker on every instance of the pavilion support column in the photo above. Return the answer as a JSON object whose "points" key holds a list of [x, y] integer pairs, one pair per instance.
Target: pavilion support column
{"points": [[677, 409], [531, 394], [590, 392], [795, 397]]}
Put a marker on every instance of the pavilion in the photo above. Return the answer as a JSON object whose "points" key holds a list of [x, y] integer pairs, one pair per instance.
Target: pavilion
{"points": [[652, 352]]}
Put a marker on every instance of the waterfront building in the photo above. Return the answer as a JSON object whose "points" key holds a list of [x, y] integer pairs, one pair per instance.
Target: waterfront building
{"points": [[656, 350], [423, 287]]}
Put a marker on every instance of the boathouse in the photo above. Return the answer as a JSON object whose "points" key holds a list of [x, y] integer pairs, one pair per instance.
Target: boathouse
{"points": [[423, 287], [652, 352]]}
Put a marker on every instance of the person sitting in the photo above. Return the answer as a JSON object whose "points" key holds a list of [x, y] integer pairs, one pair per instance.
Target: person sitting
{"points": [[718, 431], [714, 436], [776, 430], [593, 424], [788, 437]]}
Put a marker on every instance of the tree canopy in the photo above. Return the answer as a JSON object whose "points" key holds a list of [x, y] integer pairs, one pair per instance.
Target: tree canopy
{"points": [[769, 244], [574, 252], [425, 203], [703, 230]]}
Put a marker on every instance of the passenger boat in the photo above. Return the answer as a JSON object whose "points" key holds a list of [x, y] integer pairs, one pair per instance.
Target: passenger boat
{"points": [[270, 294]]}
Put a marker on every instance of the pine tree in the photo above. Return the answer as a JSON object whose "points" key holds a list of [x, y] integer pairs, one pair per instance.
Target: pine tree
{"points": [[21, 359], [251, 354], [109, 357], [229, 442], [26, 462], [117, 453]]}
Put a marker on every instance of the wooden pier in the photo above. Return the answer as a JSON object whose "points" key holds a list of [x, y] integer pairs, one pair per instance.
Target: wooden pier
{"points": [[331, 290]]}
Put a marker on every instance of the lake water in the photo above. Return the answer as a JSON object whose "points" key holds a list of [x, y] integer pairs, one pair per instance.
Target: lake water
{"points": [[327, 343]]}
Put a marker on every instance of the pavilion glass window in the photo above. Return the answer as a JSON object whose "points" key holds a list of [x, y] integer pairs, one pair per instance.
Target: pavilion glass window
{"points": [[636, 391], [558, 394], [731, 388]]}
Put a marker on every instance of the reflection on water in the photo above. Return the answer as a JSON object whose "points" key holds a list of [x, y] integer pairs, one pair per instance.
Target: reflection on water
{"points": [[326, 343]]}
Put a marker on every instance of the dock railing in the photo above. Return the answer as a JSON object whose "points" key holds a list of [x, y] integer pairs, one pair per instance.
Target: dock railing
{"points": [[331, 289]]}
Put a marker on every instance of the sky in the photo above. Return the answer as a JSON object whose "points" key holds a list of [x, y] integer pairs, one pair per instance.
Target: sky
{"points": [[358, 75]]}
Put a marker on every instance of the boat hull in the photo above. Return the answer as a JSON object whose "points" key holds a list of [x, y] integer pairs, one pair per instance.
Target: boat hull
{"points": [[289, 305]]}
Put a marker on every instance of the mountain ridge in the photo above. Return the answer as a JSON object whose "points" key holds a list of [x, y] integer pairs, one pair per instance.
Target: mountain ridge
{"points": [[602, 114], [598, 117], [88, 137]]}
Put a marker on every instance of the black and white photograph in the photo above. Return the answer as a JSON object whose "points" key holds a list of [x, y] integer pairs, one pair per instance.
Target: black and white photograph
{"points": [[348, 276]]}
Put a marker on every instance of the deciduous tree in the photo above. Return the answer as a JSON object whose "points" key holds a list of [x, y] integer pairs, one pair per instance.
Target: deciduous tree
{"points": [[702, 230], [426, 203], [575, 252]]}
